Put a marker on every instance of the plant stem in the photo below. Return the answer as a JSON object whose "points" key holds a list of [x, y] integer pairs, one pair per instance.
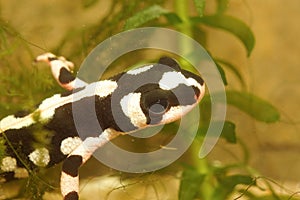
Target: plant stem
{"points": [[206, 189], [181, 7]]}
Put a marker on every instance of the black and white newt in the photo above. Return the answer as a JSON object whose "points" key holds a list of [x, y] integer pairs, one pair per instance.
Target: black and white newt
{"points": [[171, 93]]}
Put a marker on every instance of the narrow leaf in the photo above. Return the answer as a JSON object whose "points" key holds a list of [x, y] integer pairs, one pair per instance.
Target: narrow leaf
{"points": [[200, 6], [222, 73], [228, 183], [228, 132], [232, 68], [238, 179], [254, 106], [144, 16], [172, 18], [232, 25], [190, 183], [200, 35]]}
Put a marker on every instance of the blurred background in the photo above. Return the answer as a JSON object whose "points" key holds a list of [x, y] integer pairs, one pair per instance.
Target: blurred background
{"points": [[271, 73]]}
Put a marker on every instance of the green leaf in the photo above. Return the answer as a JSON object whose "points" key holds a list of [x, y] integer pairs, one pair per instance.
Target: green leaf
{"points": [[238, 179], [232, 68], [228, 132], [200, 35], [254, 106], [200, 6], [228, 183], [232, 25], [190, 183], [172, 18], [222, 6], [144, 16], [222, 73]]}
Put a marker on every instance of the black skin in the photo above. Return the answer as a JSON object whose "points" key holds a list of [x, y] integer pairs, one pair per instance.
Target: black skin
{"points": [[65, 76], [62, 124]]}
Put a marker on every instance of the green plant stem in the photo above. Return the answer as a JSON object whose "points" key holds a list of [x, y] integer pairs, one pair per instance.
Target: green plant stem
{"points": [[206, 189], [181, 8]]}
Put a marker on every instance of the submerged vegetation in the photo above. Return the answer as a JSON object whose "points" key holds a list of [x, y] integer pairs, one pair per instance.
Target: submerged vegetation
{"points": [[23, 88]]}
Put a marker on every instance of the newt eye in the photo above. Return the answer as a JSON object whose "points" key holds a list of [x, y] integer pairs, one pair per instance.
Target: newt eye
{"points": [[158, 107]]}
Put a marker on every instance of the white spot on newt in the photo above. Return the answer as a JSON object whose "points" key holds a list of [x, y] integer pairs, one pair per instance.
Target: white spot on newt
{"points": [[100, 88], [130, 105], [69, 144], [139, 70], [68, 184], [40, 157], [105, 88], [12, 122], [8, 164], [171, 80], [175, 113], [48, 106]]}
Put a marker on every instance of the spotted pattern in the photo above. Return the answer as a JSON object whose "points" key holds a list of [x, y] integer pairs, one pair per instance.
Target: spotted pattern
{"points": [[61, 70], [12, 122], [169, 93], [131, 107], [139, 70], [40, 157], [176, 78], [8, 164], [69, 176], [69, 144]]}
